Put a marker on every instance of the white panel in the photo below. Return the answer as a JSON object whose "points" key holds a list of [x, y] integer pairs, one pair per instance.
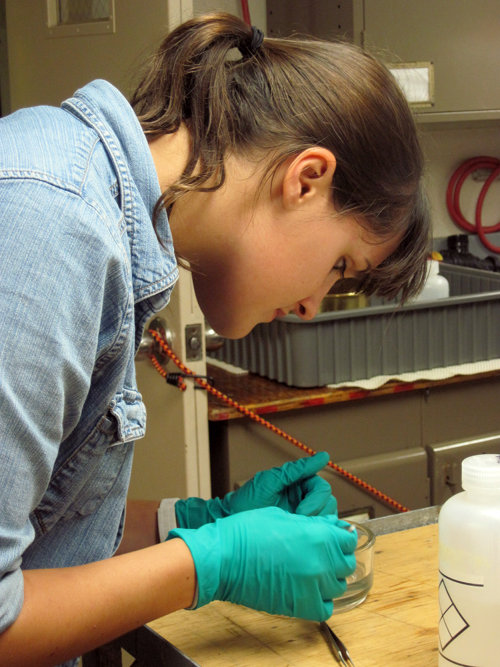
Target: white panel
{"points": [[416, 81], [173, 459]]}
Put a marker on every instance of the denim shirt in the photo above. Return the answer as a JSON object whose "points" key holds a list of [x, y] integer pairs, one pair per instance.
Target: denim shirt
{"points": [[81, 270]]}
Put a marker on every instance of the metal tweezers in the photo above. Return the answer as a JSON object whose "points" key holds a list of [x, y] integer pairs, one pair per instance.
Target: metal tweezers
{"points": [[337, 647]]}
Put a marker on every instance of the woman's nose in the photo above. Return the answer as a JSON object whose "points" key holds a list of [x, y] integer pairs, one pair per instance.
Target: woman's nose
{"points": [[307, 308]]}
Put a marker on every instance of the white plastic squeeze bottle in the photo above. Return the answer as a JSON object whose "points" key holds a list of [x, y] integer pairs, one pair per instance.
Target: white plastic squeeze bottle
{"points": [[469, 568], [436, 286]]}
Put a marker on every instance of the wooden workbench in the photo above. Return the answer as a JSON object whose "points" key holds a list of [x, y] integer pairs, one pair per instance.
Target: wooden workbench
{"points": [[395, 626], [265, 396]]}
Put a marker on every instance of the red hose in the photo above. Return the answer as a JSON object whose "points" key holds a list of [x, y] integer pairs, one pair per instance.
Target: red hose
{"points": [[453, 197]]}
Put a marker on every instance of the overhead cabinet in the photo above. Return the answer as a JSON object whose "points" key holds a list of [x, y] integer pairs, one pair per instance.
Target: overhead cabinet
{"points": [[457, 41]]}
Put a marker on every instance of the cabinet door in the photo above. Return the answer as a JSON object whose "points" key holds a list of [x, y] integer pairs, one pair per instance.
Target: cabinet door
{"points": [[461, 39]]}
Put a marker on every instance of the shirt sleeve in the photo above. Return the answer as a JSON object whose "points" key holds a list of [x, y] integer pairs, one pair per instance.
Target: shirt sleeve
{"points": [[56, 270]]}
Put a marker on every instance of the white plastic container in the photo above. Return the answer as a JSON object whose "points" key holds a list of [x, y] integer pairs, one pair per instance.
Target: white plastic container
{"points": [[469, 568], [436, 286]]}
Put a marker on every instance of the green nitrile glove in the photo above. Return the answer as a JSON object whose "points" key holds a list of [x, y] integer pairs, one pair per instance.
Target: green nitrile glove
{"points": [[294, 486], [273, 561]]}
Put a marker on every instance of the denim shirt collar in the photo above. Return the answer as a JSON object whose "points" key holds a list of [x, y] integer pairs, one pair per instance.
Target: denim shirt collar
{"points": [[154, 267]]}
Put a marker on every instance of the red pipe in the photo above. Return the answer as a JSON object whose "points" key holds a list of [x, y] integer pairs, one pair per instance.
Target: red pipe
{"points": [[246, 12], [453, 197]]}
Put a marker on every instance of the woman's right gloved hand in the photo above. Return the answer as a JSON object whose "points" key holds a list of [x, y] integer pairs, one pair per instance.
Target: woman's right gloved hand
{"points": [[295, 486], [273, 561]]}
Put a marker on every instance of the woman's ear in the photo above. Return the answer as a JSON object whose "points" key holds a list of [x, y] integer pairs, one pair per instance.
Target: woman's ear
{"points": [[308, 175]]}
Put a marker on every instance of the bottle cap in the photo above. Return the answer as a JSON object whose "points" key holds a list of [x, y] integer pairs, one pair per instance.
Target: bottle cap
{"points": [[481, 472]]}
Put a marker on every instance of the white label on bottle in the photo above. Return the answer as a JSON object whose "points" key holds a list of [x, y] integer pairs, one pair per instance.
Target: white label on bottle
{"points": [[463, 631]]}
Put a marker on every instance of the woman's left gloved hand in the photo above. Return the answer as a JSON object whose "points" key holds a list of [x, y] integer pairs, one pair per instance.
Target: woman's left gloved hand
{"points": [[294, 487]]}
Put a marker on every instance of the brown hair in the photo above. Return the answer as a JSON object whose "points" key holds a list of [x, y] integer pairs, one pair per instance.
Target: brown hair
{"points": [[286, 96]]}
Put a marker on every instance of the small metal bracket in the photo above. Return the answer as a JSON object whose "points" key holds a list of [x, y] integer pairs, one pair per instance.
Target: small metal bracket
{"points": [[194, 342], [149, 345]]}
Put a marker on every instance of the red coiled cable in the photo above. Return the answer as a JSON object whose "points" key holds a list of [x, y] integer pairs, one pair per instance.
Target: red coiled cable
{"points": [[255, 417], [453, 197]]}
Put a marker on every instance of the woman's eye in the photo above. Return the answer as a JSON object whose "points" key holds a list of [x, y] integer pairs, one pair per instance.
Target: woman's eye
{"points": [[341, 266]]}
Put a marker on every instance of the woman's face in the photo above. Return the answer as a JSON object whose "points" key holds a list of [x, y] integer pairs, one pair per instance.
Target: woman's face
{"points": [[254, 259]]}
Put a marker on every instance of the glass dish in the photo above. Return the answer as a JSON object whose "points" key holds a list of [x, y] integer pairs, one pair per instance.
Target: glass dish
{"points": [[360, 582]]}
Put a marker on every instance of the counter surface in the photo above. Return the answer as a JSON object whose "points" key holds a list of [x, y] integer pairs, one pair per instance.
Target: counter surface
{"points": [[265, 396], [396, 625]]}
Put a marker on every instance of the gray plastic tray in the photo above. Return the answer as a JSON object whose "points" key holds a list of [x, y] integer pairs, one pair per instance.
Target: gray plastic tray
{"points": [[382, 339]]}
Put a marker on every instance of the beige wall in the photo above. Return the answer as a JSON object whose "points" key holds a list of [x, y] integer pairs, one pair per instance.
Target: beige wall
{"points": [[45, 70], [257, 9]]}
